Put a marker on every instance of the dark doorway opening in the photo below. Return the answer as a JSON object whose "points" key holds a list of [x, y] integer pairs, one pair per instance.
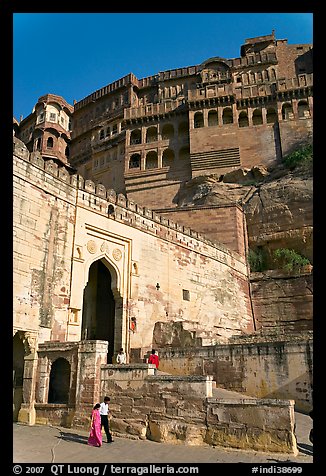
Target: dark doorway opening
{"points": [[18, 373], [99, 307], [59, 382]]}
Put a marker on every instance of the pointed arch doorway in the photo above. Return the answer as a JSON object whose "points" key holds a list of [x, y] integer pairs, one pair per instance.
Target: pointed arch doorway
{"points": [[99, 306]]}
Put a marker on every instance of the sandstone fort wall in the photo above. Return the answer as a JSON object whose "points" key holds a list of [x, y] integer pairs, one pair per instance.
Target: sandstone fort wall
{"points": [[58, 224]]}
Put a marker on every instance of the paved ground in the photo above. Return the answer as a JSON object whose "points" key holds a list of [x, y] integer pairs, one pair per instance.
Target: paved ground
{"points": [[48, 444]]}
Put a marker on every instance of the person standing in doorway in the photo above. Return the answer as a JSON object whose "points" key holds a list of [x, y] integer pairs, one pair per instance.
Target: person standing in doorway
{"points": [[121, 357], [154, 359], [104, 412]]}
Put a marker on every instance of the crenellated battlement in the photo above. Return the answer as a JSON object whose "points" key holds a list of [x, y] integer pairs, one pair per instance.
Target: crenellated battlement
{"points": [[118, 207]]}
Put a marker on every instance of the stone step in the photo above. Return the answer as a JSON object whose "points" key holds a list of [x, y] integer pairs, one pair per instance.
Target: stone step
{"points": [[219, 392]]}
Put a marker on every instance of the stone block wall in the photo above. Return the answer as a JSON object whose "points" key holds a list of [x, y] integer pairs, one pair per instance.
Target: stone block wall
{"points": [[140, 400], [256, 144], [220, 224], [43, 218], [278, 367], [261, 425], [180, 409], [295, 132]]}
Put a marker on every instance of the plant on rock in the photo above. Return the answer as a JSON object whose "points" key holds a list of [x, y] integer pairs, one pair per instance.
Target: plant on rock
{"points": [[289, 260]]}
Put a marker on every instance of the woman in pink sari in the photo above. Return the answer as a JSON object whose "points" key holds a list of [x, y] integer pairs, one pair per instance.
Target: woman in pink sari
{"points": [[95, 435]]}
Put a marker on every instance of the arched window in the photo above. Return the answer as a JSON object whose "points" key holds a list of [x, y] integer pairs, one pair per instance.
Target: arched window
{"points": [[134, 162], [167, 132], [271, 116], [243, 119], [287, 111], [303, 109], [227, 115], [273, 74], [135, 137], [212, 118], [167, 158], [59, 384], [38, 144], [49, 143], [151, 160], [151, 134], [198, 120], [67, 151], [257, 117]]}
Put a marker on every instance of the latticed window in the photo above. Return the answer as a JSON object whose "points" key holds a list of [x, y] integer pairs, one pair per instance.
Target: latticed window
{"points": [[134, 162]]}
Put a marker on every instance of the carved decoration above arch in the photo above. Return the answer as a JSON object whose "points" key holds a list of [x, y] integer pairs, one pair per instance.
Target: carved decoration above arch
{"points": [[215, 70]]}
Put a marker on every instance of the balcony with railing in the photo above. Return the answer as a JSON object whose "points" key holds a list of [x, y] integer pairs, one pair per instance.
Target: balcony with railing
{"points": [[251, 90], [212, 91], [152, 109]]}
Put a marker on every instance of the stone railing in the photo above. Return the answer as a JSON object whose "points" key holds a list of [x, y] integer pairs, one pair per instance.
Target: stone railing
{"points": [[152, 109]]}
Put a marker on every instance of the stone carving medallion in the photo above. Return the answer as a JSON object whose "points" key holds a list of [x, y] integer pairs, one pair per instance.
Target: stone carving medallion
{"points": [[91, 246], [104, 246], [117, 255]]}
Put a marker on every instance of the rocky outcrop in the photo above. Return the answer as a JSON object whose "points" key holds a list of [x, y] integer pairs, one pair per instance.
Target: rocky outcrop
{"points": [[281, 301], [279, 215], [210, 190]]}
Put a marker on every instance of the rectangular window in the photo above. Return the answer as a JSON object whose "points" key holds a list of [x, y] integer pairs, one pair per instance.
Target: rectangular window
{"points": [[186, 295]]}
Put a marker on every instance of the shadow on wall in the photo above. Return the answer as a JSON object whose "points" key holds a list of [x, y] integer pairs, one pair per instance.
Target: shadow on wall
{"points": [[300, 386]]}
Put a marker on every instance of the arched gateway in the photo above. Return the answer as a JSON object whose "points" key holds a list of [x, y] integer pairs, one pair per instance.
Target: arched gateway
{"points": [[101, 319]]}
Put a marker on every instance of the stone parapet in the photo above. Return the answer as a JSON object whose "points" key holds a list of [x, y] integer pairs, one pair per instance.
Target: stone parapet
{"points": [[261, 424]]}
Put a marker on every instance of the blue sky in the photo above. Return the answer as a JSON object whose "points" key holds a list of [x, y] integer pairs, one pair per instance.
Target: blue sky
{"points": [[74, 54]]}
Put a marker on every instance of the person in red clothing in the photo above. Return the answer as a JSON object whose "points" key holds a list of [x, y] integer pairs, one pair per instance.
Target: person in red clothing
{"points": [[154, 359]]}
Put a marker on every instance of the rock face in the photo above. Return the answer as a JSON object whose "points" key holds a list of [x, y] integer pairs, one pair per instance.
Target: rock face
{"points": [[282, 302], [279, 215], [210, 190]]}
